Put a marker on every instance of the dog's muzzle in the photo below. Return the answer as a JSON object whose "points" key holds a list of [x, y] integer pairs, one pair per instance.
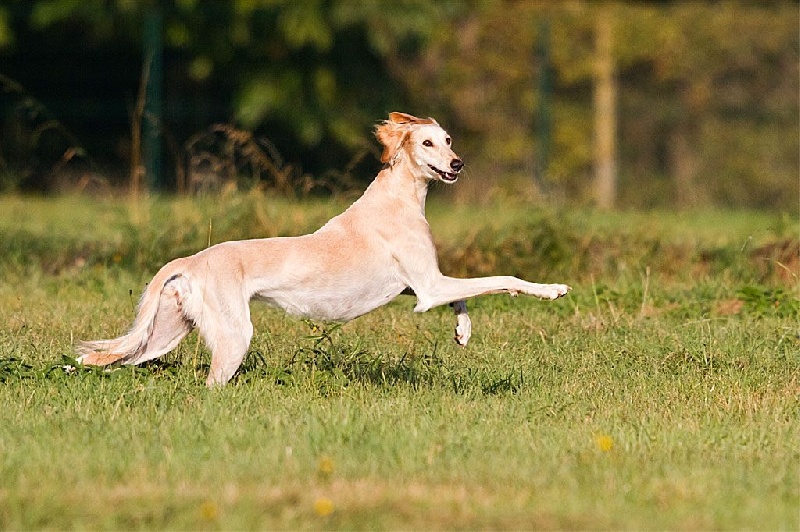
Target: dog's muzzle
{"points": [[449, 177]]}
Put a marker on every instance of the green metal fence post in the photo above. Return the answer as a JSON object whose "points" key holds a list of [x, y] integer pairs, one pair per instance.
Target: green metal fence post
{"points": [[153, 37]]}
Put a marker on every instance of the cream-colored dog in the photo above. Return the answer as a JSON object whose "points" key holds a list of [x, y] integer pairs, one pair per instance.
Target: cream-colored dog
{"points": [[380, 247]]}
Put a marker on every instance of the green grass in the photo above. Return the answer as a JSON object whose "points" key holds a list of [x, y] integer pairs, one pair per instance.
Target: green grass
{"points": [[662, 393]]}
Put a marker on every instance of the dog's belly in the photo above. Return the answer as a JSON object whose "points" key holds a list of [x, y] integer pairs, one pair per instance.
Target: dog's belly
{"points": [[333, 302]]}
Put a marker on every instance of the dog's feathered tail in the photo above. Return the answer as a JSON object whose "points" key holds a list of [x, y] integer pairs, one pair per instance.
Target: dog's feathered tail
{"points": [[159, 325]]}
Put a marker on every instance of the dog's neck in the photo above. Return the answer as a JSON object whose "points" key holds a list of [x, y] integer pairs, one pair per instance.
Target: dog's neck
{"points": [[402, 180]]}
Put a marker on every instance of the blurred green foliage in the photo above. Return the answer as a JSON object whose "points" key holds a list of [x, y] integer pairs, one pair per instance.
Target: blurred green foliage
{"points": [[707, 92]]}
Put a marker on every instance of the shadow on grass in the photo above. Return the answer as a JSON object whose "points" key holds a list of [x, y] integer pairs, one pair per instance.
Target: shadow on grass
{"points": [[332, 365]]}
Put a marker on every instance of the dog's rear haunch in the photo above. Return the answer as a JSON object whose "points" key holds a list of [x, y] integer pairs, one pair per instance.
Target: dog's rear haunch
{"points": [[380, 247]]}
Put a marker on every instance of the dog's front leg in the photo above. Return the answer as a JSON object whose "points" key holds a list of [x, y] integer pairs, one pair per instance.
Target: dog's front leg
{"points": [[441, 289], [463, 323]]}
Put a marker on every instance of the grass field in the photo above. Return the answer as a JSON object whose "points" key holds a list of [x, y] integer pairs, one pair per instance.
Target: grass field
{"points": [[662, 393]]}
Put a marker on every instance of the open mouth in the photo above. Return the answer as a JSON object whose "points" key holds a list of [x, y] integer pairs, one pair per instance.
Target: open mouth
{"points": [[446, 176]]}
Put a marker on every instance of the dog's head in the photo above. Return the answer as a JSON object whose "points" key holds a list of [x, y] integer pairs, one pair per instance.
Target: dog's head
{"points": [[423, 142]]}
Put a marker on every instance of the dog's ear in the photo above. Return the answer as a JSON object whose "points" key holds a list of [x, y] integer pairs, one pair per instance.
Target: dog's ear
{"points": [[392, 134], [404, 118]]}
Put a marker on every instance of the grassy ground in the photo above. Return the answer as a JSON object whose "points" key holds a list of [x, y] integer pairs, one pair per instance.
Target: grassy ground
{"points": [[663, 392]]}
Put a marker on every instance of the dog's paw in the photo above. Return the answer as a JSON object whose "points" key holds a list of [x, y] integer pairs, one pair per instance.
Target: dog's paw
{"points": [[463, 330], [554, 291]]}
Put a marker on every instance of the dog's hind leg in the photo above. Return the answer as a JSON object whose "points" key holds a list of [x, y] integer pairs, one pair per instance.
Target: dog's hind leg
{"points": [[227, 334], [228, 353]]}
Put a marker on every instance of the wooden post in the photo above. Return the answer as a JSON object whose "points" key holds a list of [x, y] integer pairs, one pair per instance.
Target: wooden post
{"points": [[543, 121], [605, 112]]}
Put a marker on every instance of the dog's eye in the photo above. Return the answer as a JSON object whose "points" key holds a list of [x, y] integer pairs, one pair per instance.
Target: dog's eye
{"points": [[448, 140], [427, 143]]}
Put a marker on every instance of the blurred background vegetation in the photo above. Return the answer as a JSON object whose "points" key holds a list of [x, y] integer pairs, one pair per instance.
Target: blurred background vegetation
{"points": [[669, 103]]}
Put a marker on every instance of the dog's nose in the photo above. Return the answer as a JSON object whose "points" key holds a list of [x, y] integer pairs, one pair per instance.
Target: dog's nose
{"points": [[456, 165]]}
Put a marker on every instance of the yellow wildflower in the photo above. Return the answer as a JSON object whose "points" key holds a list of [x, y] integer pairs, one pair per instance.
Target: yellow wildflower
{"points": [[323, 507], [604, 442]]}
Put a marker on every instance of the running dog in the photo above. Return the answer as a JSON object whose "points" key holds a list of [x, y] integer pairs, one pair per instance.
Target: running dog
{"points": [[380, 247]]}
